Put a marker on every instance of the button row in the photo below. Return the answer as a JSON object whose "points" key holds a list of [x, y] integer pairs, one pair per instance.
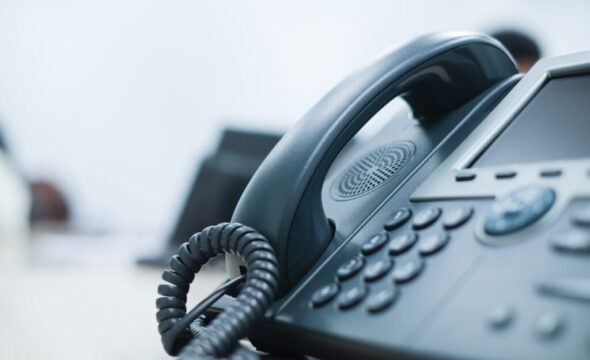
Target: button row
{"points": [[547, 325], [466, 175], [429, 216], [397, 246]]}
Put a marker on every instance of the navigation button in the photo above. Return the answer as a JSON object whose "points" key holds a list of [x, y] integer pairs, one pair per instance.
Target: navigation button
{"points": [[398, 219], [518, 209], [426, 217]]}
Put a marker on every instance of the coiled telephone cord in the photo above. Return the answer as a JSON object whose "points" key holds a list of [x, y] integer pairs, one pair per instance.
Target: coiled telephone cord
{"points": [[220, 338]]}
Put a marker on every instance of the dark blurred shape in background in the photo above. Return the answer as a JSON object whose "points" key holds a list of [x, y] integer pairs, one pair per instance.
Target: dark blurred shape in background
{"points": [[523, 47], [218, 185], [48, 204]]}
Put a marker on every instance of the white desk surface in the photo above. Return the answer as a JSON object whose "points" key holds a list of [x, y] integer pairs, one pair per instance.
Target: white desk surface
{"points": [[81, 311]]}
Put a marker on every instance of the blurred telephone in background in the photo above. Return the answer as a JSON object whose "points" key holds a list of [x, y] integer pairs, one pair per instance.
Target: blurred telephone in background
{"points": [[217, 185], [461, 231]]}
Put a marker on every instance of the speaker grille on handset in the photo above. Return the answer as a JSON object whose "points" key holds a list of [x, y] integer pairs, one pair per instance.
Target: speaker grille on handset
{"points": [[373, 170]]}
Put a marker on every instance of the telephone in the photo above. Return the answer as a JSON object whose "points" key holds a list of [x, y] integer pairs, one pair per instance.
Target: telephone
{"points": [[462, 231]]}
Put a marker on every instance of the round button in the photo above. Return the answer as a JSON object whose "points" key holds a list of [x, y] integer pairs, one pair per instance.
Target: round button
{"points": [[350, 268], [408, 270], [398, 219], [382, 299], [374, 243], [518, 209], [500, 316], [377, 269], [433, 243], [352, 296], [548, 325], [426, 217], [457, 217], [324, 294], [402, 243]]}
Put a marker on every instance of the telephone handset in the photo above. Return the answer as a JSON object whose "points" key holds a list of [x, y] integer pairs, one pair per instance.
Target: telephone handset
{"points": [[346, 260], [434, 74]]}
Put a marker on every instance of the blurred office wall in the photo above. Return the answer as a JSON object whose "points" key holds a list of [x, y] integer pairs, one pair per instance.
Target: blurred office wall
{"points": [[116, 101]]}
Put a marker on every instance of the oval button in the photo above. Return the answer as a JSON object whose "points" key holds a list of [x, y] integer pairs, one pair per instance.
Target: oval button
{"points": [[518, 209]]}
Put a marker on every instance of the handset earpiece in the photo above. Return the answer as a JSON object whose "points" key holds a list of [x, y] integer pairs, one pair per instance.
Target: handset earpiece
{"points": [[434, 74]]}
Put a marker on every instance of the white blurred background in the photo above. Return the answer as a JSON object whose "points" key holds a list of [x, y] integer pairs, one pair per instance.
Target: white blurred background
{"points": [[117, 101]]}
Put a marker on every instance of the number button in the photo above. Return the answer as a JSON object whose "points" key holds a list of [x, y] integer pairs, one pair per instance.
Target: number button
{"points": [[352, 297], [374, 243], [382, 299], [324, 294], [408, 270], [426, 217], [402, 243], [433, 243], [350, 268], [398, 219], [457, 217], [377, 269]]}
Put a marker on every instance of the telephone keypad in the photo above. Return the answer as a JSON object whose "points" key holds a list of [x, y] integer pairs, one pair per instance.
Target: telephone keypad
{"points": [[399, 217], [374, 243], [402, 243], [457, 217], [426, 217], [433, 243], [352, 296], [350, 268], [408, 270], [382, 299], [377, 269], [324, 294]]}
